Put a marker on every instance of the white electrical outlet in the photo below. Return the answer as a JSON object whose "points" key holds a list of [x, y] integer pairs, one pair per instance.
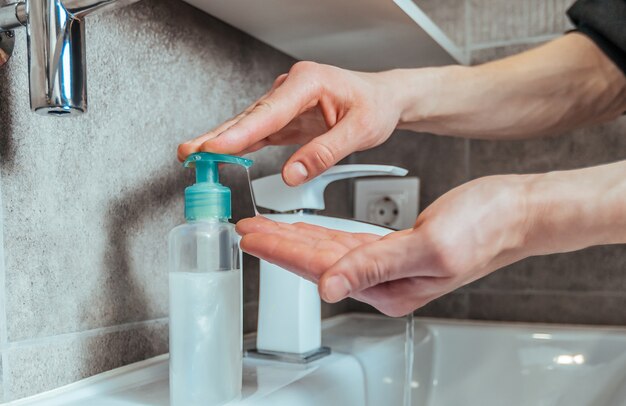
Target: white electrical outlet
{"points": [[388, 202]]}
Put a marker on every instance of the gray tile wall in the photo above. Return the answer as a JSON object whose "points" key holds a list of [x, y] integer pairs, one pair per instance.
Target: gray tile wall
{"points": [[83, 284], [70, 357], [87, 202], [582, 287]]}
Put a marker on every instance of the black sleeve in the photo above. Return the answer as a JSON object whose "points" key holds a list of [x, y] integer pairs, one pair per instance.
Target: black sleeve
{"points": [[604, 22]]}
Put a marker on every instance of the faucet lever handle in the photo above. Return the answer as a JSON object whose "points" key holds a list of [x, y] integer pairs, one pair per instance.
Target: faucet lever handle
{"points": [[272, 193]]}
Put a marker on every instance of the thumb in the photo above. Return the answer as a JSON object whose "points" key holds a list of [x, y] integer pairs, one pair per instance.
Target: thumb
{"points": [[369, 265], [321, 153]]}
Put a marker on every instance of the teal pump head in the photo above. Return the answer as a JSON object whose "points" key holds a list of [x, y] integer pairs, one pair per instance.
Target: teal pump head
{"points": [[207, 198]]}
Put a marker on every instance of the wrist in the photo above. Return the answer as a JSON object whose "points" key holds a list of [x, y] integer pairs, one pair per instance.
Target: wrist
{"points": [[572, 210], [428, 98]]}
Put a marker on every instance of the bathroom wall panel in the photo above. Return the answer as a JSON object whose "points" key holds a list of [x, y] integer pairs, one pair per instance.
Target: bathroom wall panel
{"points": [[589, 146], [513, 20], [451, 306], [439, 162], [595, 269], [65, 359], [454, 306], [250, 317], [1, 377], [449, 15], [478, 56], [549, 307]]}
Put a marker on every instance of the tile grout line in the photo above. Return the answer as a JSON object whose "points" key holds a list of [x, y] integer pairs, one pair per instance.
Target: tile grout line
{"points": [[518, 41], [83, 334]]}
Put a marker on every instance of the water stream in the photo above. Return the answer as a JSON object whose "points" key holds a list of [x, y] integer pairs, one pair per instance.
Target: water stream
{"points": [[409, 345]]}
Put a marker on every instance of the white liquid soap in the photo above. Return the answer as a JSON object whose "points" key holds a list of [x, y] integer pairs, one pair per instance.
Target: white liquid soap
{"points": [[205, 337], [206, 292]]}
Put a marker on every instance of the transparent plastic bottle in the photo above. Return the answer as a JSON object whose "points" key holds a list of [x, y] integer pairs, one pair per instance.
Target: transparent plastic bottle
{"points": [[205, 293]]}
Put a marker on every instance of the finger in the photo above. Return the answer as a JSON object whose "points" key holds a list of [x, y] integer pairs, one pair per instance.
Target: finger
{"points": [[402, 296], [261, 225], [372, 264], [316, 237], [255, 147], [191, 146], [321, 153], [279, 81], [288, 135], [296, 94], [345, 239], [359, 238], [253, 224], [303, 259]]}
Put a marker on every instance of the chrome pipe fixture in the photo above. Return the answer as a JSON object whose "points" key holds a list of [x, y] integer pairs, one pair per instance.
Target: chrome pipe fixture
{"points": [[56, 49], [12, 16]]}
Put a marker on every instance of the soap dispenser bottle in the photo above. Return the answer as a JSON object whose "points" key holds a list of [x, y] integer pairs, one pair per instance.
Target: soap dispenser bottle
{"points": [[205, 288]]}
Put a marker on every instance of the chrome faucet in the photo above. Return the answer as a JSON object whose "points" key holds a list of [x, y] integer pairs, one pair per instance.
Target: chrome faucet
{"points": [[56, 49]]}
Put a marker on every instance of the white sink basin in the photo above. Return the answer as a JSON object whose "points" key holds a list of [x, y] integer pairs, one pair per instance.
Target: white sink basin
{"points": [[456, 363]]}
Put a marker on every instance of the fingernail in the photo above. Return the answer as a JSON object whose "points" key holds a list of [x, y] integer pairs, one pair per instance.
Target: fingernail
{"points": [[336, 288], [296, 173]]}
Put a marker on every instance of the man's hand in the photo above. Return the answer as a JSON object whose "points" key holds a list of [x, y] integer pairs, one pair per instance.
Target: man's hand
{"points": [[469, 232], [330, 111]]}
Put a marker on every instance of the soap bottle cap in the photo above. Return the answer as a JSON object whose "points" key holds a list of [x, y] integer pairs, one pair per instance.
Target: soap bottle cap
{"points": [[207, 198]]}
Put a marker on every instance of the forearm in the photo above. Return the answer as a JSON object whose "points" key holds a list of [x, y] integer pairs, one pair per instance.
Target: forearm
{"points": [[571, 210], [561, 85]]}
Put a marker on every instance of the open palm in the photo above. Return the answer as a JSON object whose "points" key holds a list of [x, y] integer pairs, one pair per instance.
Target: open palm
{"points": [[466, 234]]}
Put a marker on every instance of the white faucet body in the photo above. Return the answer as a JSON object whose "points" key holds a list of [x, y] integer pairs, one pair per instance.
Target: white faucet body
{"points": [[289, 306]]}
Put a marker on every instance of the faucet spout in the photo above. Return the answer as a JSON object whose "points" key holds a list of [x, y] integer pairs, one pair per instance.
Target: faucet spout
{"points": [[56, 50], [56, 59]]}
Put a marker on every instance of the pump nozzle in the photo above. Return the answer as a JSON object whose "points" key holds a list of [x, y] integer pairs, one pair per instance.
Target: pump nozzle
{"points": [[207, 198]]}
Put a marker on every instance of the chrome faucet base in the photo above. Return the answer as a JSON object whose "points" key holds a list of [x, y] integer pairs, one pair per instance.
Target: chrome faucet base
{"points": [[289, 357]]}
